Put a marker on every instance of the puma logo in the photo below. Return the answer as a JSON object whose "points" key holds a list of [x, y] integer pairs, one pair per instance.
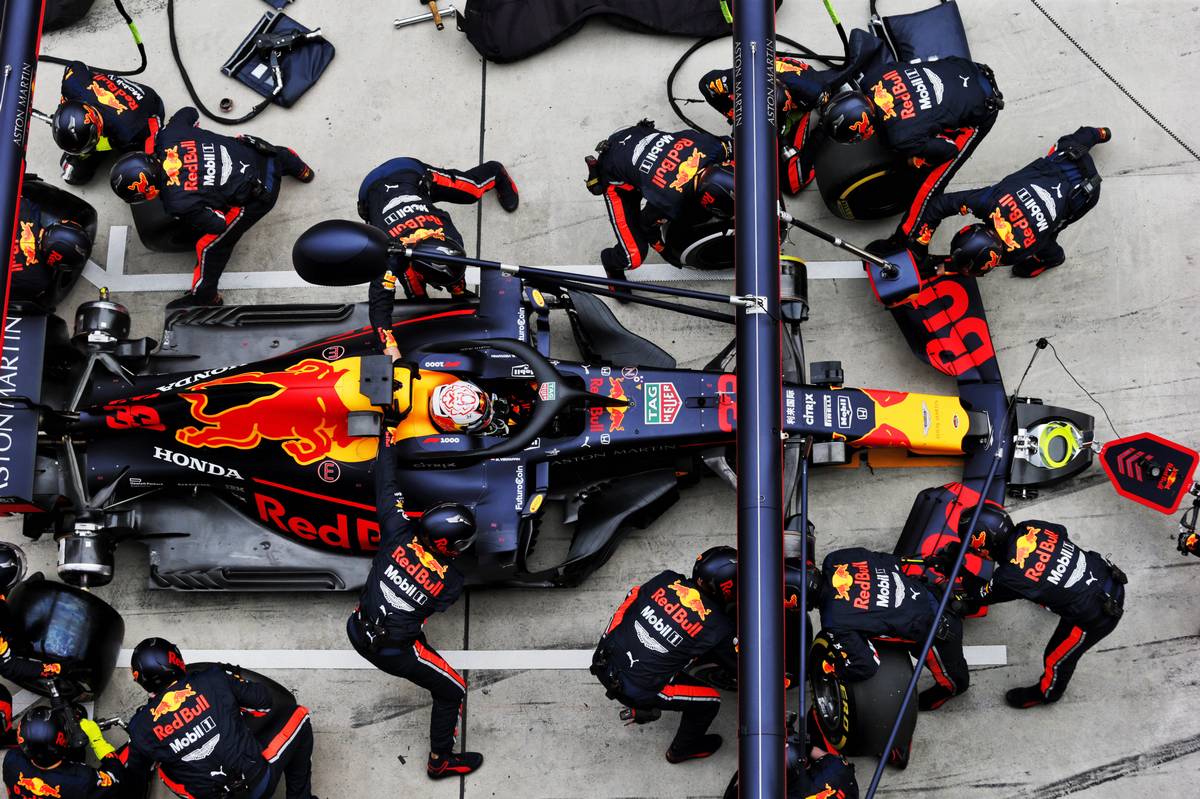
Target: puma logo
{"points": [[1090, 579], [245, 166], [390, 186], [632, 660], [964, 79], [628, 136], [1057, 190], [915, 593], [220, 772]]}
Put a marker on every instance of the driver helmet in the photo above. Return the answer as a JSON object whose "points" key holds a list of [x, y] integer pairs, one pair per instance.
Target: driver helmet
{"points": [[976, 250], [989, 538], [849, 117], [448, 529], [76, 127], [715, 573], [460, 407], [12, 566], [716, 190], [156, 663], [42, 736]]}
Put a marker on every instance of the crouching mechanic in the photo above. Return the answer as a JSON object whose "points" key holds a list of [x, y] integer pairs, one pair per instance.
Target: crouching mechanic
{"points": [[815, 774], [398, 197], [667, 170], [1035, 560], [193, 730], [42, 765], [934, 113], [411, 578], [864, 595], [42, 252], [218, 185], [12, 666], [99, 113], [657, 632], [1024, 213]]}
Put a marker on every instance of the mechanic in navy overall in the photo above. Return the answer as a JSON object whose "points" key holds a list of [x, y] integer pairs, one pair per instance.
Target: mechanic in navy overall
{"points": [[42, 251], [42, 766], [864, 595], [99, 113], [815, 775], [1035, 560], [1025, 212], [411, 578], [218, 185], [398, 197], [657, 632], [667, 170], [934, 113], [194, 731], [798, 89]]}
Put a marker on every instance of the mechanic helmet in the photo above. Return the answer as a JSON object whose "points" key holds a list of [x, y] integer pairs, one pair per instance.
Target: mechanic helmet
{"points": [[65, 244], [990, 535], [715, 572], [136, 177], [716, 190], [460, 407], [975, 250], [42, 736], [76, 127], [156, 663], [448, 529], [12, 566], [849, 117], [438, 274]]}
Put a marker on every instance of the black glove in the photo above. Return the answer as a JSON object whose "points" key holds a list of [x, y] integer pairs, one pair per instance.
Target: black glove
{"points": [[593, 182], [1189, 542], [261, 145], [942, 560]]}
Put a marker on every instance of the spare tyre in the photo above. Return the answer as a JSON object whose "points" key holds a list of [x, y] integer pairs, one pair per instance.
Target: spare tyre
{"points": [[857, 717], [63, 13], [863, 180], [62, 624]]}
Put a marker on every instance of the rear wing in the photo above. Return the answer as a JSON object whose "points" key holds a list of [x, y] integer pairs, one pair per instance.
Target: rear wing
{"points": [[21, 365]]}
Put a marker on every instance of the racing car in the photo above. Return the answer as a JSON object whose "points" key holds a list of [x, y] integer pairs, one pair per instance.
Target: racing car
{"points": [[240, 449]]}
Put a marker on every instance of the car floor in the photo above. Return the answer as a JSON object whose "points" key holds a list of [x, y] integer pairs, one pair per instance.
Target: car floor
{"points": [[1121, 314]]}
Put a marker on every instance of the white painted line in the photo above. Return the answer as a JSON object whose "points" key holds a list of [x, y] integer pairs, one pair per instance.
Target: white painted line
{"points": [[117, 281], [24, 699], [118, 237], [473, 659]]}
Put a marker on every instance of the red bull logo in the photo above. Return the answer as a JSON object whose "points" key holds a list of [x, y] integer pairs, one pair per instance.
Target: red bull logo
{"points": [[1191, 542], [92, 116], [993, 261], [688, 170], [171, 701], [1004, 230], [1026, 546], [979, 543], [28, 243], [171, 165], [36, 786], [426, 559], [925, 235], [421, 234], [863, 127], [305, 407], [690, 598], [678, 610], [884, 100], [105, 97], [616, 414], [788, 65], [1169, 476], [144, 187], [841, 581]]}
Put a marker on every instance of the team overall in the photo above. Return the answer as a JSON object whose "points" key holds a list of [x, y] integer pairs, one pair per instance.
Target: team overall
{"points": [[67, 780]]}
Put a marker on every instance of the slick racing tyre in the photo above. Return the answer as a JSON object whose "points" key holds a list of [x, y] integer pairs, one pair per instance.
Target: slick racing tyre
{"points": [[856, 717], [63, 13], [863, 180], [62, 624], [707, 245], [159, 231], [283, 702]]}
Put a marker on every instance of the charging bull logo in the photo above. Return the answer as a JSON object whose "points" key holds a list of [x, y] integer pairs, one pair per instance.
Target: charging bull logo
{"points": [[925, 236], [304, 406], [785, 65], [863, 127], [979, 543], [841, 581], [1004, 230], [616, 414], [144, 187], [28, 243], [1026, 546], [1190, 543], [687, 170], [171, 166], [171, 701], [827, 793], [92, 116], [36, 786], [993, 261], [690, 598], [426, 559], [421, 234], [884, 100], [105, 97]]}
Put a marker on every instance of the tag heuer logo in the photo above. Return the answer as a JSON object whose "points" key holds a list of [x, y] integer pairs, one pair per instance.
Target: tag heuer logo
{"points": [[548, 391], [662, 403]]}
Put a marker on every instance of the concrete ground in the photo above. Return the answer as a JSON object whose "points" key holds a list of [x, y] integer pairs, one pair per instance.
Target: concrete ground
{"points": [[1121, 314]]}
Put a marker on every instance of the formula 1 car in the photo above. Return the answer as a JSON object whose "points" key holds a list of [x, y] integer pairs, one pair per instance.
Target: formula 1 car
{"points": [[240, 450]]}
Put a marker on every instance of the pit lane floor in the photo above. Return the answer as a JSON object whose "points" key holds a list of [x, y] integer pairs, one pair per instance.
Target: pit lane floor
{"points": [[1121, 313]]}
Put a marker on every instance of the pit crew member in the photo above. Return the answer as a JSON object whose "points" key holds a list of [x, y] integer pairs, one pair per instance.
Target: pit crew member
{"points": [[12, 666], [41, 765], [41, 252], [660, 628], [218, 185]]}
